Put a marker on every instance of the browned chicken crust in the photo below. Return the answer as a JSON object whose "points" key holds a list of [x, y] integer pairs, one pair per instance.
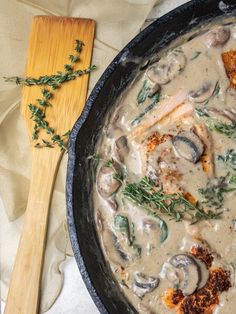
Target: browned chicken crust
{"points": [[204, 300], [156, 139], [229, 60], [203, 254]]}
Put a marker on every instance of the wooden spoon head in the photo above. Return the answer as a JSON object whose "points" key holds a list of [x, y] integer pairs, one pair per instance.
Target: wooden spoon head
{"points": [[52, 40]]}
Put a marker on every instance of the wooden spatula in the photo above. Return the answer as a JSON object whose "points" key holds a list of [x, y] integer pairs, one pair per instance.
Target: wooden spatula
{"points": [[52, 40]]}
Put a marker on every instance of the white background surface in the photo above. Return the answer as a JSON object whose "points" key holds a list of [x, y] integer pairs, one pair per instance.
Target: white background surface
{"points": [[74, 297]]}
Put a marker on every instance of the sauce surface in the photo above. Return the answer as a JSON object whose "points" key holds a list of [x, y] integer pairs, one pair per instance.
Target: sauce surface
{"points": [[165, 180]]}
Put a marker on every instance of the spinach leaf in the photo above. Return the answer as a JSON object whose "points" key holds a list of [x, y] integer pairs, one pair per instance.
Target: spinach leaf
{"points": [[143, 93]]}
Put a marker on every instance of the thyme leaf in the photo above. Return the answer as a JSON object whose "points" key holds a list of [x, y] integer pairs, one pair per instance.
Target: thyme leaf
{"points": [[43, 103], [44, 144], [73, 58], [109, 163], [79, 45], [118, 176], [46, 93], [195, 55], [68, 67]]}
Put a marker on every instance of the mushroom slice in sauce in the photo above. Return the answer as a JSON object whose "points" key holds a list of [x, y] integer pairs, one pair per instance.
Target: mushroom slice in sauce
{"points": [[188, 145], [149, 225], [204, 273], [191, 272], [217, 37], [144, 284], [170, 273], [203, 93], [225, 117], [121, 252], [114, 250], [121, 147], [113, 204], [154, 89], [106, 183], [167, 68], [100, 221]]}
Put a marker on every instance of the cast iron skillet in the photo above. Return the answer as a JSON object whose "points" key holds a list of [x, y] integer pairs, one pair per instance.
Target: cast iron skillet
{"points": [[88, 254]]}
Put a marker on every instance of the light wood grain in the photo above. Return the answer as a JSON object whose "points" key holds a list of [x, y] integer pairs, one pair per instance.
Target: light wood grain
{"points": [[52, 40]]}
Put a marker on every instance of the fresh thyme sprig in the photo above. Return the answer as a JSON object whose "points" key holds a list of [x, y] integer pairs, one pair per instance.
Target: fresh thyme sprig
{"points": [[38, 113], [38, 116], [54, 81], [155, 201]]}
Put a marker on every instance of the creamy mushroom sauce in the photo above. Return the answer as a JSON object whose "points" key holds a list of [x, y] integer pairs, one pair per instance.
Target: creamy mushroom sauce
{"points": [[185, 155]]}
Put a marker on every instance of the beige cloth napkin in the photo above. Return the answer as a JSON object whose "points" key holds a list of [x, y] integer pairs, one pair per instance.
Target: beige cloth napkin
{"points": [[117, 22]]}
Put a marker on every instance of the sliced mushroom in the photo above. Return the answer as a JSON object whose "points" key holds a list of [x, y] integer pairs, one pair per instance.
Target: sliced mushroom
{"points": [[144, 284], [121, 147], [100, 221], [113, 248], [151, 173], [170, 273], [106, 183], [121, 252], [177, 62], [225, 117], [167, 68], [159, 73], [191, 272], [217, 37], [203, 93], [154, 89], [115, 122], [113, 204], [203, 272], [149, 225], [188, 145]]}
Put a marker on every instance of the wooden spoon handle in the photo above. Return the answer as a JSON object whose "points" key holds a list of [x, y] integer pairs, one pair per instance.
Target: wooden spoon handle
{"points": [[23, 295]]}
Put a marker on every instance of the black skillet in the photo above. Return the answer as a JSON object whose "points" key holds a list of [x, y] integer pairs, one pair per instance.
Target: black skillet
{"points": [[95, 271]]}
